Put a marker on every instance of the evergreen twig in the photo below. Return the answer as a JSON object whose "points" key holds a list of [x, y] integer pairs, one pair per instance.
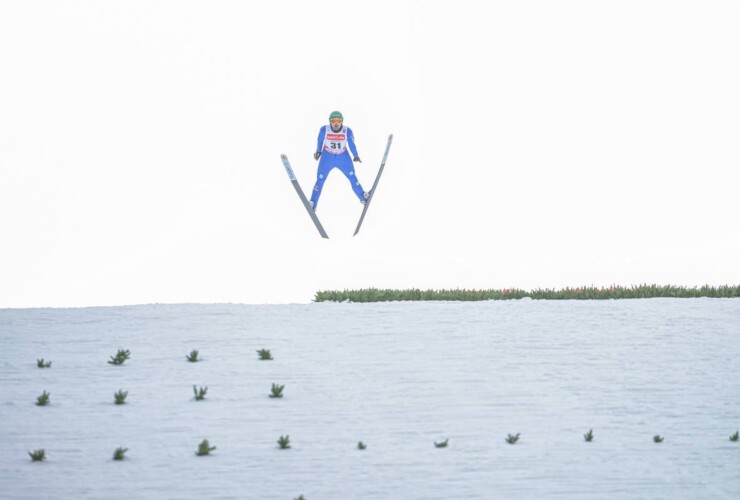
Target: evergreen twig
{"points": [[200, 393], [204, 448], [43, 400], [512, 439], [284, 442], [264, 354], [277, 391], [442, 444], [120, 396], [121, 356]]}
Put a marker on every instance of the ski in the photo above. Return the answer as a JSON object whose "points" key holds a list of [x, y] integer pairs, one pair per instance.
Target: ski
{"points": [[302, 196], [375, 184]]}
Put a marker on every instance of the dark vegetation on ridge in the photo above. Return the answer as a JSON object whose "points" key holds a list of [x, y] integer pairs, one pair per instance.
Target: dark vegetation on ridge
{"points": [[580, 293]]}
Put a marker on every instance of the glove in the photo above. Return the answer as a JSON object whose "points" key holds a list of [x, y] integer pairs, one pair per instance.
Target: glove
{"points": [[357, 158], [316, 155]]}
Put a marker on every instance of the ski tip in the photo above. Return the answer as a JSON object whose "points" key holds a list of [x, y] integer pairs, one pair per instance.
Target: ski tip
{"points": [[390, 137], [283, 157]]}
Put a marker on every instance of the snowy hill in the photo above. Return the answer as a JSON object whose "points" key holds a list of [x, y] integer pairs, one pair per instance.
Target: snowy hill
{"points": [[396, 376]]}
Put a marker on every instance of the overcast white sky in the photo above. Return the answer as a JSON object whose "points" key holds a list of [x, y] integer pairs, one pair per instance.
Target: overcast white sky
{"points": [[537, 144]]}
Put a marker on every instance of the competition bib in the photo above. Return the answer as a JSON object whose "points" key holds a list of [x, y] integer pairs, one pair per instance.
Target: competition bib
{"points": [[335, 142]]}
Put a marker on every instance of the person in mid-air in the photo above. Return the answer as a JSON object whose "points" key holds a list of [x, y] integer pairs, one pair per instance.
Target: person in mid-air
{"points": [[331, 151]]}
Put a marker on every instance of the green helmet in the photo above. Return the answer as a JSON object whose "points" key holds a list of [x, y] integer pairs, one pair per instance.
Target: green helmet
{"points": [[336, 114]]}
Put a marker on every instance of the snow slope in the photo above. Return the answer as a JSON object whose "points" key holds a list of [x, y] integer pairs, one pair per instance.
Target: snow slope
{"points": [[397, 376]]}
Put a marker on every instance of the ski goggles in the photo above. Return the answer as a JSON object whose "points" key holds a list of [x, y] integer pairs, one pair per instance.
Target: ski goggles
{"points": [[335, 120]]}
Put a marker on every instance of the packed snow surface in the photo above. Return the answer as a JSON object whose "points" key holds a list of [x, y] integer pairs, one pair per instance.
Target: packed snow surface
{"points": [[397, 376]]}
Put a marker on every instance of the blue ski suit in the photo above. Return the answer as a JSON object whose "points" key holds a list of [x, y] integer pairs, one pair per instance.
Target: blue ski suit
{"points": [[333, 148]]}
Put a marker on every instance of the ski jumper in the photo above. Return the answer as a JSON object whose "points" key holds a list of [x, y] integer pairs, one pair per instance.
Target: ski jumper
{"points": [[333, 147]]}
